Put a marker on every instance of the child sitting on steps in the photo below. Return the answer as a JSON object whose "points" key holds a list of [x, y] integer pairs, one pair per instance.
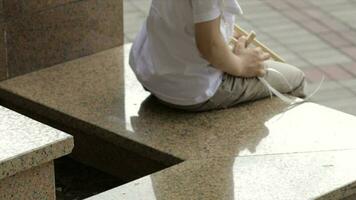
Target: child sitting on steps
{"points": [[181, 55]]}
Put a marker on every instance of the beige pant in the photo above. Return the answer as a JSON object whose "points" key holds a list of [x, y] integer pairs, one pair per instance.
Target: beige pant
{"points": [[235, 90]]}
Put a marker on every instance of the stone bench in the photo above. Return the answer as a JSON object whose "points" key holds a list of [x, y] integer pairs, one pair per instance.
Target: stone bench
{"points": [[86, 98], [120, 129], [27, 151], [300, 176]]}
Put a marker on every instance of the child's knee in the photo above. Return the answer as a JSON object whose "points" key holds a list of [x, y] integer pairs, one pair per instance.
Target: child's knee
{"points": [[292, 76], [299, 77], [299, 84]]}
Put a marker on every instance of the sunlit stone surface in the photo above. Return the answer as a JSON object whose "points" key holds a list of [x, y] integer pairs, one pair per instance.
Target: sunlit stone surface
{"points": [[249, 143], [317, 175], [27, 151]]}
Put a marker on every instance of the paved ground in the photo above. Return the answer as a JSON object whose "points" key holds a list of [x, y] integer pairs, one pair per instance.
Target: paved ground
{"points": [[318, 36]]}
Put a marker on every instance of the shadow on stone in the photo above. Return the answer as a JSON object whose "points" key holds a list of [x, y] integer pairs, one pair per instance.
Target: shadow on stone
{"points": [[77, 181]]}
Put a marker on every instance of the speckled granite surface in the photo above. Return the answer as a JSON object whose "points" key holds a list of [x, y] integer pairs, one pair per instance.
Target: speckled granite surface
{"points": [[99, 95], [101, 91], [3, 66], [273, 177], [25, 143], [13, 8], [41, 33], [36, 183]]}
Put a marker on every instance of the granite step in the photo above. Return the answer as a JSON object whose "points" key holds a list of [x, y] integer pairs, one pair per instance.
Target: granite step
{"points": [[119, 128], [314, 175], [86, 98], [27, 151]]}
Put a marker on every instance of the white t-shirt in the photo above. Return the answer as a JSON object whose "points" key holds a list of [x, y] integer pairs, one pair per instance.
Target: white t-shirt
{"points": [[164, 55]]}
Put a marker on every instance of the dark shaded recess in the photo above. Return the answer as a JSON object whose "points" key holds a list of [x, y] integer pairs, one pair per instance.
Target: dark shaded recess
{"points": [[77, 181]]}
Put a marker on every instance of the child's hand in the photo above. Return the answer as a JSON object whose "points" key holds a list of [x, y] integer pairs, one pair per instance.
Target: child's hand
{"points": [[251, 59]]}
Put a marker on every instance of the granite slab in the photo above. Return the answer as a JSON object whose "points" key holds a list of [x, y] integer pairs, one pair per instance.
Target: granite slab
{"points": [[99, 95], [26, 143], [316, 175], [41, 33], [3, 67], [14, 8], [37, 183]]}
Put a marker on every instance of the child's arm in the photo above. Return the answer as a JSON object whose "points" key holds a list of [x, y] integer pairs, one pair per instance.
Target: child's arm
{"points": [[243, 62]]}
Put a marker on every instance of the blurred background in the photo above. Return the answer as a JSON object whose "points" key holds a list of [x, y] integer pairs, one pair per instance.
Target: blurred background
{"points": [[318, 36]]}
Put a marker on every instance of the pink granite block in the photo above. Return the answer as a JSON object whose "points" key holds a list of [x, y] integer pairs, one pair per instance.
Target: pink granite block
{"points": [[10, 8], [334, 39], [13, 8], [350, 51], [315, 75], [279, 4], [3, 65], [320, 16], [350, 36], [34, 184], [336, 72], [314, 13], [62, 32], [299, 4], [334, 24], [351, 68], [296, 15], [315, 26]]}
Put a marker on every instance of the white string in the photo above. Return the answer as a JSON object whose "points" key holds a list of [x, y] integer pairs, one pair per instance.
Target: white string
{"points": [[284, 97], [276, 92], [272, 90], [316, 90], [279, 73]]}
